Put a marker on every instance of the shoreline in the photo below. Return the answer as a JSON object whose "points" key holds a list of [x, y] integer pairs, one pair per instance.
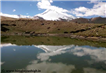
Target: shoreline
{"points": [[98, 39]]}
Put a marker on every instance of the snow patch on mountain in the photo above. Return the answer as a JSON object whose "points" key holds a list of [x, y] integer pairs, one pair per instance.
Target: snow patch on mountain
{"points": [[50, 14], [14, 16], [8, 15]]}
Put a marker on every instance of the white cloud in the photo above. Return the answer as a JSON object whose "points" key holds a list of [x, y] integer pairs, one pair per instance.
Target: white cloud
{"points": [[97, 54], [81, 9], [55, 12], [14, 10], [99, 9], [51, 1], [6, 45], [45, 56], [47, 67], [52, 12], [44, 4], [51, 51]]}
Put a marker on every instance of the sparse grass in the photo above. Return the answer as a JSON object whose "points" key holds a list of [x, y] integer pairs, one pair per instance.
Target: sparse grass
{"points": [[37, 27], [97, 32]]}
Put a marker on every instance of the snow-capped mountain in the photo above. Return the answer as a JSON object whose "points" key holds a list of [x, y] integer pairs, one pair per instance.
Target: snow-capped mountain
{"points": [[51, 48], [23, 16], [50, 14], [14, 16]]}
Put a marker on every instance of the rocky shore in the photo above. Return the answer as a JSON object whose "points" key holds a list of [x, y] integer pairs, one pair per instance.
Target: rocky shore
{"points": [[101, 39]]}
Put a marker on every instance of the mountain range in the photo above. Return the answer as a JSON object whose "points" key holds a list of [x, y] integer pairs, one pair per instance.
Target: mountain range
{"points": [[49, 14], [55, 16]]}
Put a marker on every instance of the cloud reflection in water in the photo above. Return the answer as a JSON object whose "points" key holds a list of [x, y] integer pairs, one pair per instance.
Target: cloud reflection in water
{"points": [[97, 54]]}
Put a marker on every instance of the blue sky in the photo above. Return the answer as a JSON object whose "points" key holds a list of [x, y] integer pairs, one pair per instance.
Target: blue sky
{"points": [[30, 7]]}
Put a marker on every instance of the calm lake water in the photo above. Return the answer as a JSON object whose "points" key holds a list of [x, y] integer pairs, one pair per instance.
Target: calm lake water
{"points": [[53, 59]]}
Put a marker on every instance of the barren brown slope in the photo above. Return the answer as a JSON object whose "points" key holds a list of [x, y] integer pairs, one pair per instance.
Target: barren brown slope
{"points": [[98, 20], [42, 26], [80, 20], [91, 20], [3, 18]]}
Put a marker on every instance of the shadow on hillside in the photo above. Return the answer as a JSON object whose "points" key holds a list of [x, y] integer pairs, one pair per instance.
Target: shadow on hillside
{"points": [[4, 29]]}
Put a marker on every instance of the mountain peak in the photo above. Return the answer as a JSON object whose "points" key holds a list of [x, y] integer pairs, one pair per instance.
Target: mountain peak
{"points": [[50, 14]]}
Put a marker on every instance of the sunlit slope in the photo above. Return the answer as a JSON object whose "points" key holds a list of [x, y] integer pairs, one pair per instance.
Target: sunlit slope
{"points": [[42, 26]]}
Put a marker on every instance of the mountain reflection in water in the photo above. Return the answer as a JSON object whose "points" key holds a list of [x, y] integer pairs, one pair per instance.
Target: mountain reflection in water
{"points": [[54, 59]]}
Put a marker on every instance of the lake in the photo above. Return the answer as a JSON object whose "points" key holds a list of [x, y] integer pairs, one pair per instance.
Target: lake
{"points": [[58, 58]]}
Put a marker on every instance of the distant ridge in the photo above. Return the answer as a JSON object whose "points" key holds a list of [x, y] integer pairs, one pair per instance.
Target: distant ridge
{"points": [[80, 20], [91, 20], [14, 16], [6, 18], [98, 20], [59, 17]]}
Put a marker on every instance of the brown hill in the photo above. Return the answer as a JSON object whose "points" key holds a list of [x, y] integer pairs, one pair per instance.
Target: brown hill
{"points": [[7, 18], [80, 20], [98, 20], [32, 26], [92, 20], [42, 26]]}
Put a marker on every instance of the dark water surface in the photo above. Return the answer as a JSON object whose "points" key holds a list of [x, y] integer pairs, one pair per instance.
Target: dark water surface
{"points": [[53, 58]]}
